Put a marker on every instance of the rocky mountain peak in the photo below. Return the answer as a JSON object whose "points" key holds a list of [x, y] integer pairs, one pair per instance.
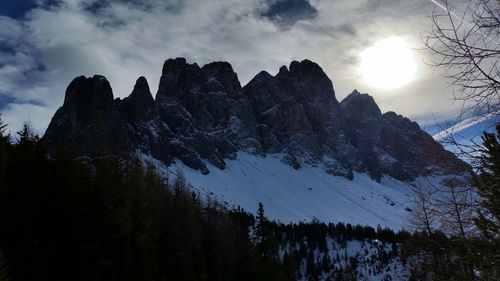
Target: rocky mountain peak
{"points": [[140, 103], [263, 75], [354, 93], [89, 92], [283, 71], [177, 78], [89, 122], [87, 98], [141, 83], [305, 68], [202, 117], [359, 106], [220, 76], [309, 82], [171, 66], [141, 91]]}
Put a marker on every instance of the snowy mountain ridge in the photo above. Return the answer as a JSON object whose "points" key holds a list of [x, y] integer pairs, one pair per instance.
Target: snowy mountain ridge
{"points": [[283, 140]]}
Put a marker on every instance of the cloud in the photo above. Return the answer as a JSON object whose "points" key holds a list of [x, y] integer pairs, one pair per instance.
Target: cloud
{"points": [[37, 116], [124, 39], [288, 12]]}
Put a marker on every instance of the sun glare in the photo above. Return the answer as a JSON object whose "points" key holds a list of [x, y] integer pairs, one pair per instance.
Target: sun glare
{"points": [[389, 64]]}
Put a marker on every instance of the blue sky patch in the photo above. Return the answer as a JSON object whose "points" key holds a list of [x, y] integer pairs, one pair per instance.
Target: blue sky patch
{"points": [[16, 8]]}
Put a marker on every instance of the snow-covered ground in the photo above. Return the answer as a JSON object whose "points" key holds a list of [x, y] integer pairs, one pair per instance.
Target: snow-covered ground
{"points": [[368, 255], [308, 193]]}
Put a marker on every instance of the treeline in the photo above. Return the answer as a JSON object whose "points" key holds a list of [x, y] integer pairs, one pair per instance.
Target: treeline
{"points": [[63, 218], [315, 233], [320, 251]]}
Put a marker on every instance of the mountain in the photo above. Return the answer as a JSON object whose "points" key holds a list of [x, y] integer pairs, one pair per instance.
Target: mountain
{"points": [[284, 140]]}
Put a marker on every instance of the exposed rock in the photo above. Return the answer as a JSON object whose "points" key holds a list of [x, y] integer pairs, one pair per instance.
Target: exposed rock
{"points": [[298, 115], [359, 107], [140, 105], [88, 122]]}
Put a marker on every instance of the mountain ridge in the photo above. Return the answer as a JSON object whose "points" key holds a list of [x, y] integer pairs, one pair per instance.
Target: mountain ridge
{"points": [[202, 115]]}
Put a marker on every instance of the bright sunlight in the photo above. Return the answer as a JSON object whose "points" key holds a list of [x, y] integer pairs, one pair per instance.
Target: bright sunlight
{"points": [[387, 65]]}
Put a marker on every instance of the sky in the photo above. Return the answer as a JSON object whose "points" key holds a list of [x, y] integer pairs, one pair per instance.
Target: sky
{"points": [[44, 44]]}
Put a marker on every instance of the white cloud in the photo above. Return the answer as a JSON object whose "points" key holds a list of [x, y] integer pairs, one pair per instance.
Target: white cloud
{"points": [[127, 39], [17, 114]]}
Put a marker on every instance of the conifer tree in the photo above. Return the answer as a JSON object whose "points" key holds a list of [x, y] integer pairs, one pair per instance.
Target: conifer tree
{"points": [[4, 276], [3, 127], [263, 236], [26, 134], [5, 146], [260, 224], [487, 182]]}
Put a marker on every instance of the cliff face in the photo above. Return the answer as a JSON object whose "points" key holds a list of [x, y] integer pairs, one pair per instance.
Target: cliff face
{"points": [[203, 115]]}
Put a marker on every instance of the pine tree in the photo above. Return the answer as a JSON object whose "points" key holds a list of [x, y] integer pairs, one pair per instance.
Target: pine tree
{"points": [[487, 182], [261, 231], [3, 127], [5, 147], [4, 276], [26, 134], [261, 218]]}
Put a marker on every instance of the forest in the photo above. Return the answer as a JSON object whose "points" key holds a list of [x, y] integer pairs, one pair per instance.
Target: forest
{"points": [[64, 217]]}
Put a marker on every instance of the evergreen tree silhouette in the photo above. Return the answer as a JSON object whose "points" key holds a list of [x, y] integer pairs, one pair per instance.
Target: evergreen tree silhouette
{"points": [[487, 182]]}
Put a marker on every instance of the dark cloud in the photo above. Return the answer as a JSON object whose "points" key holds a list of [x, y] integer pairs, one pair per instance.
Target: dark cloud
{"points": [[106, 16], [288, 12], [99, 6]]}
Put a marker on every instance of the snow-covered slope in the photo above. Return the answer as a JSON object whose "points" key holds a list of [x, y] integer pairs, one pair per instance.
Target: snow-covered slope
{"points": [[367, 260], [308, 193]]}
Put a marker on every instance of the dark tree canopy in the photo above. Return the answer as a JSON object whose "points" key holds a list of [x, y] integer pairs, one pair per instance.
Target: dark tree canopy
{"points": [[63, 218]]}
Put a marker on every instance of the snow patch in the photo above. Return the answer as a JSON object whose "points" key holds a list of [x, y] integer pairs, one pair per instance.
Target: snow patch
{"points": [[308, 193]]}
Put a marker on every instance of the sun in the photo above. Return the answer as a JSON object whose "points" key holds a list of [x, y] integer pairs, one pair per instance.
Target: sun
{"points": [[388, 64]]}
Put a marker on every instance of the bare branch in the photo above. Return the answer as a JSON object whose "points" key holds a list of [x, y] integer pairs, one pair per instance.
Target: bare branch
{"points": [[467, 47]]}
